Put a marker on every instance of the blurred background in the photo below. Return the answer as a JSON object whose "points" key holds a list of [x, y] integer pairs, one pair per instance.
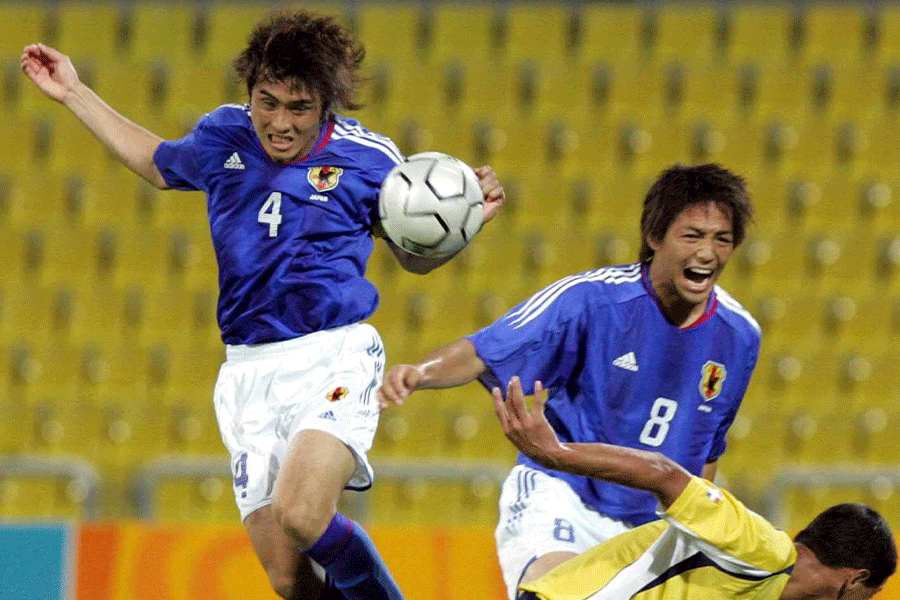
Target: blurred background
{"points": [[108, 342]]}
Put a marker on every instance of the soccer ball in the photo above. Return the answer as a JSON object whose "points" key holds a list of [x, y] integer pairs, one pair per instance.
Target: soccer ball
{"points": [[431, 205]]}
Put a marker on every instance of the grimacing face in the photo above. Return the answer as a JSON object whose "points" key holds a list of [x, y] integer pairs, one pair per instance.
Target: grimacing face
{"points": [[689, 259], [286, 121]]}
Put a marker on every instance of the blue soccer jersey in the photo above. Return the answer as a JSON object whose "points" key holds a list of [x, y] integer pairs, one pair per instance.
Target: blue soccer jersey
{"points": [[619, 372], [291, 240]]}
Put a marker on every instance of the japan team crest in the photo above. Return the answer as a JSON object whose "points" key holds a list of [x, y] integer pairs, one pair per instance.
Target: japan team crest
{"points": [[324, 178], [711, 380], [337, 394]]}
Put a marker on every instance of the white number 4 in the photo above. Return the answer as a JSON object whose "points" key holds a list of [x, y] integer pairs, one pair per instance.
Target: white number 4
{"points": [[657, 426], [270, 213]]}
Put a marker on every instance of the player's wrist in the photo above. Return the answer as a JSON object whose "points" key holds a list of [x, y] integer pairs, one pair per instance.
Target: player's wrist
{"points": [[75, 96]]}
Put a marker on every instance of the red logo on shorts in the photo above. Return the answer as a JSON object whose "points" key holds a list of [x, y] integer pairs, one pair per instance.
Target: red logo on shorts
{"points": [[337, 394]]}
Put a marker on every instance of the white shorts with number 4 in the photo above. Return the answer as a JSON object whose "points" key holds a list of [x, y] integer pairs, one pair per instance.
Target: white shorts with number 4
{"points": [[540, 514], [266, 393]]}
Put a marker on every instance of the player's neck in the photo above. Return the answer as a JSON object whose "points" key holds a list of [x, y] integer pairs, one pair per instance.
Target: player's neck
{"points": [[680, 313], [677, 310]]}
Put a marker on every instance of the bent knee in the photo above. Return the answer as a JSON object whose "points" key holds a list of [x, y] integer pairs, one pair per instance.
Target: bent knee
{"points": [[282, 583], [302, 521]]}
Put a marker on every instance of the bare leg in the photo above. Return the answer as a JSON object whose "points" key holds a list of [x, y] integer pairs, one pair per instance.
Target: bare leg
{"points": [[290, 572]]}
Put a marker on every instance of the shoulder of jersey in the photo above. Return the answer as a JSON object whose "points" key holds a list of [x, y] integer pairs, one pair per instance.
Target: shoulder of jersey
{"points": [[229, 114], [600, 286], [354, 141], [731, 311], [615, 284]]}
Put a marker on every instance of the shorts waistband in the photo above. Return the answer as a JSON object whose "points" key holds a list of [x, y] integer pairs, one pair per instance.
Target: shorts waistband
{"points": [[248, 352]]}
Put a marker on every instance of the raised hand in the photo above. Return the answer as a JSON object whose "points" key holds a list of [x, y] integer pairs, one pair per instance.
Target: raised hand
{"points": [[527, 429], [50, 70], [493, 191]]}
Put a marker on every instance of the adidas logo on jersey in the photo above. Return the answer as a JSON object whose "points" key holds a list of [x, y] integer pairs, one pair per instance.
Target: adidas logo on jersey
{"points": [[328, 416], [626, 361], [234, 162]]}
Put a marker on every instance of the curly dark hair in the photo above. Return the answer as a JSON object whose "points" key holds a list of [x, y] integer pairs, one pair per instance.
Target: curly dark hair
{"points": [[679, 187], [305, 51], [854, 536]]}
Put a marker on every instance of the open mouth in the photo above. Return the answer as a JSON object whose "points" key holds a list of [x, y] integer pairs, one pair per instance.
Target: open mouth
{"points": [[698, 276], [280, 142]]}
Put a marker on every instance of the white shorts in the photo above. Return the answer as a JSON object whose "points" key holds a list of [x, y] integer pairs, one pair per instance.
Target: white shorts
{"points": [[266, 393], [540, 514]]}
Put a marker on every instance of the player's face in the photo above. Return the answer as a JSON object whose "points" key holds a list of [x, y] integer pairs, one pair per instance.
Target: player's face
{"points": [[688, 260], [287, 121]]}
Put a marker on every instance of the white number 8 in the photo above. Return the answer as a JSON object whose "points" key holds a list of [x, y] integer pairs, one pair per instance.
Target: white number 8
{"points": [[657, 427]]}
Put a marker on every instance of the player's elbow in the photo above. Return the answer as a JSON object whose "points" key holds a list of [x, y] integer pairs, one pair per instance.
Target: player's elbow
{"points": [[666, 479]]}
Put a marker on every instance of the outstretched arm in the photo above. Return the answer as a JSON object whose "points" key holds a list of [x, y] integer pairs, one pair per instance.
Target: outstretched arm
{"points": [[451, 365], [530, 432], [493, 200], [52, 72]]}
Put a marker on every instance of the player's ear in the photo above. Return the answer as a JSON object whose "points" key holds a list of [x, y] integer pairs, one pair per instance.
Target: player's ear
{"points": [[858, 578], [652, 242]]}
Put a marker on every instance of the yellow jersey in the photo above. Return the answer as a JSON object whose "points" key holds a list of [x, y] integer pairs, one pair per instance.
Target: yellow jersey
{"points": [[707, 545]]}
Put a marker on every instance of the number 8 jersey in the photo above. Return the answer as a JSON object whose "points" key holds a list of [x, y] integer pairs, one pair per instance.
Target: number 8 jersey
{"points": [[291, 240], [619, 372]]}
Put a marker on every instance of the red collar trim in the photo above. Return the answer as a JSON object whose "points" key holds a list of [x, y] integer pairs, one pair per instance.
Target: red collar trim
{"points": [[324, 138], [711, 304]]}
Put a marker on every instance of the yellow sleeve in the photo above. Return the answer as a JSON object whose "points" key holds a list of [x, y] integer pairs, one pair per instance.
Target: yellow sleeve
{"points": [[714, 516]]}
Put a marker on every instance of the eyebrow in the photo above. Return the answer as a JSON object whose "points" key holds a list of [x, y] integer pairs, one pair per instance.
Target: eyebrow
{"points": [[692, 229], [293, 104]]}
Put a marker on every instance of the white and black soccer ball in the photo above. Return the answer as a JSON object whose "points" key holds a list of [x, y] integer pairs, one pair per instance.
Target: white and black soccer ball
{"points": [[431, 205]]}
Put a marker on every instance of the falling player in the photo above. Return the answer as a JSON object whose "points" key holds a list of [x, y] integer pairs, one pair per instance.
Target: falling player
{"points": [[650, 355], [292, 189], [708, 545]]}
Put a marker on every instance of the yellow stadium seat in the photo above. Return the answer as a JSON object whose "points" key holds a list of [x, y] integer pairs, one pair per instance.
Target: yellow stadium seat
{"points": [[23, 23], [462, 32], [196, 499], [41, 497], [538, 31], [141, 91], [227, 27], [389, 31], [611, 33], [686, 32], [833, 32], [163, 32], [760, 33], [198, 88], [90, 32], [887, 49]]}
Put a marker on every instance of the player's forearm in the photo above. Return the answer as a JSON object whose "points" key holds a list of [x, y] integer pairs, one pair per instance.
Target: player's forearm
{"points": [[129, 142], [451, 365], [648, 471]]}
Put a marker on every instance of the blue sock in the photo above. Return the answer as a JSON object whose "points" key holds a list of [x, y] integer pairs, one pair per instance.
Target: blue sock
{"points": [[347, 554]]}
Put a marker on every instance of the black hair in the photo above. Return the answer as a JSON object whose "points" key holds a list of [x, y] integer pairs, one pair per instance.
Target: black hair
{"points": [[307, 51], [679, 186], [852, 536]]}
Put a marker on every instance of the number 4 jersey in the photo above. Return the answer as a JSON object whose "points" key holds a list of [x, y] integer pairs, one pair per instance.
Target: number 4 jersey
{"points": [[292, 240], [619, 372]]}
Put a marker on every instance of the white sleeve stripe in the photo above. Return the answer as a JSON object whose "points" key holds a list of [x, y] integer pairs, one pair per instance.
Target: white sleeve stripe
{"points": [[536, 297], [374, 140], [553, 286], [734, 306], [394, 156], [725, 561], [602, 275]]}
